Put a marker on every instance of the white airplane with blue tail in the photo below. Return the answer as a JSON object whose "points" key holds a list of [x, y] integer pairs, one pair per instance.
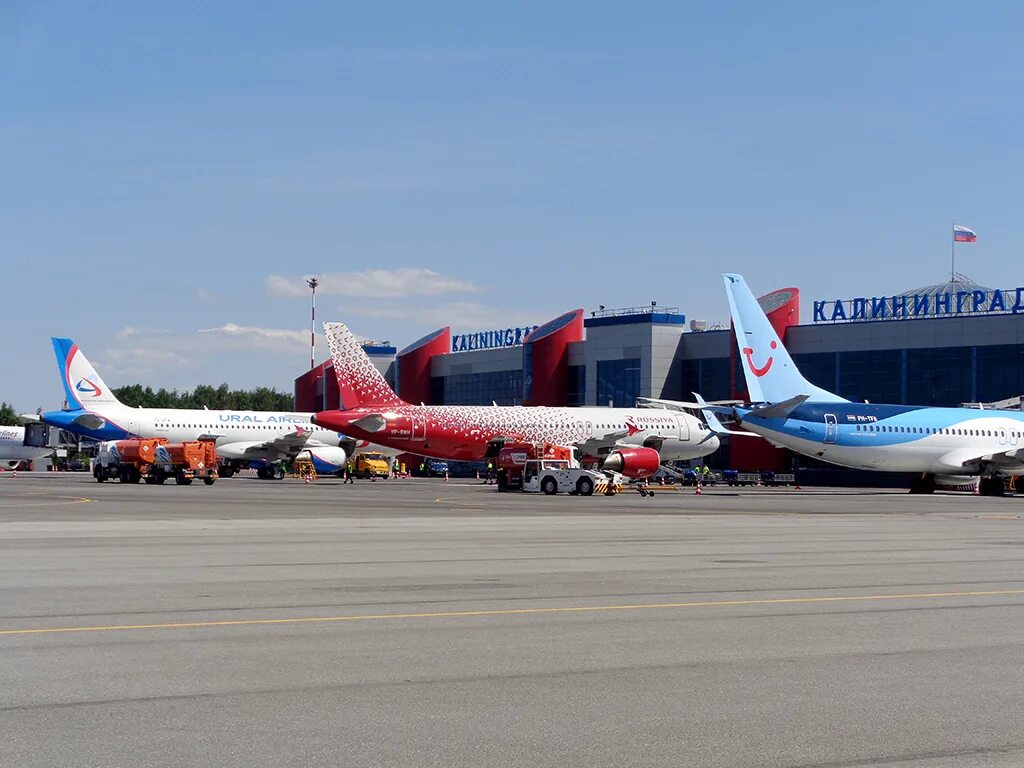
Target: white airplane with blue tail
{"points": [[789, 411], [244, 438]]}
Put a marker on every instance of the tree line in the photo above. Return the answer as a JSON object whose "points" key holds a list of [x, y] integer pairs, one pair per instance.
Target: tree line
{"points": [[8, 417], [204, 396]]}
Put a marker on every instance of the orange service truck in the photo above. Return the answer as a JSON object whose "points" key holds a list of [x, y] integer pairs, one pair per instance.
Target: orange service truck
{"points": [[155, 460]]}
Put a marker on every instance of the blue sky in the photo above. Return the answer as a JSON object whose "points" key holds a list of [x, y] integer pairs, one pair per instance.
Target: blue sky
{"points": [[173, 170]]}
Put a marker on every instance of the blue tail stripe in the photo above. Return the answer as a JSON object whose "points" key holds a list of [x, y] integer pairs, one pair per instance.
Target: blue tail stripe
{"points": [[62, 350]]}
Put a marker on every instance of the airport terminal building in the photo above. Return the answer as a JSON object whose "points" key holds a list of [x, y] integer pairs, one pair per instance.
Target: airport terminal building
{"points": [[944, 344]]}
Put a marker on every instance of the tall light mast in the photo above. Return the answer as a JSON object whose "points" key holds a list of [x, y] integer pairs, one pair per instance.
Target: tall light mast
{"points": [[312, 283]]}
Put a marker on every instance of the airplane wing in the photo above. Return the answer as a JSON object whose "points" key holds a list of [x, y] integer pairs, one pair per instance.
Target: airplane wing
{"points": [[708, 411], [715, 427], [601, 444], [967, 459], [286, 445]]}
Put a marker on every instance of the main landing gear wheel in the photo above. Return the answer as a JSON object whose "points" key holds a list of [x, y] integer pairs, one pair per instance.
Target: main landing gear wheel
{"points": [[549, 486], [585, 486], [990, 486], [923, 484], [226, 470]]}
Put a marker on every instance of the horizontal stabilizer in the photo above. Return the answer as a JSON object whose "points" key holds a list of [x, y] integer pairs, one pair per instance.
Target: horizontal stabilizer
{"points": [[373, 422], [89, 421], [779, 410]]}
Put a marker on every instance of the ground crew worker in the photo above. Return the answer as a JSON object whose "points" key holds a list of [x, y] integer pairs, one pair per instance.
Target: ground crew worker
{"points": [[707, 474], [348, 474], [490, 473]]}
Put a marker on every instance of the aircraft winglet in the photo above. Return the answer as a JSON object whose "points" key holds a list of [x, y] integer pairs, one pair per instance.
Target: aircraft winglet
{"points": [[780, 410]]}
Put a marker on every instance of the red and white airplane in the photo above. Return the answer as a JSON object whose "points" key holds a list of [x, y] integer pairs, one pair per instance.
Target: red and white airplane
{"points": [[632, 441]]}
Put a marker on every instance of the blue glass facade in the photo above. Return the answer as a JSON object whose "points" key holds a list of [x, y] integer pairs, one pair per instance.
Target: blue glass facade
{"points": [[502, 387], [577, 385], [527, 372], [928, 376], [618, 382], [708, 377]]}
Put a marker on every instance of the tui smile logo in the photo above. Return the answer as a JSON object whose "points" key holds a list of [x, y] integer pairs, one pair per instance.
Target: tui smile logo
{"points": [[86, 387], [748, 353]]}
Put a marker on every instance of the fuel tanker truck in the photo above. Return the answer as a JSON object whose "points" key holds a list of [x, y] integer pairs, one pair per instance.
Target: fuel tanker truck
{"points": [[155, 460]]}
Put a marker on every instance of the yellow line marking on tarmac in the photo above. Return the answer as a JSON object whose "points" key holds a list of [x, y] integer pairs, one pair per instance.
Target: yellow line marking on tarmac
{"points": [[515, 611], [62, 500]]}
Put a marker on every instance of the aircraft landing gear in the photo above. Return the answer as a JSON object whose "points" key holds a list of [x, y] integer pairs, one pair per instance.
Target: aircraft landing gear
{"points": [[270, 472], [923, 484], [990, 486]]}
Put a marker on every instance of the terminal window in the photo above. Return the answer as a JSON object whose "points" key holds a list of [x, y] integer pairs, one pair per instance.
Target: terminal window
{"points": [[501, 387], [618, 382], [873, 375], [940, 376], [707, 376], [577, 385]]}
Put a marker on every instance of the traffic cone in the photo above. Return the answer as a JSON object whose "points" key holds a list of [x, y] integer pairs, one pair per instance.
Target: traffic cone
{"points": [[698, 491], [478, 474], [446, 475]]}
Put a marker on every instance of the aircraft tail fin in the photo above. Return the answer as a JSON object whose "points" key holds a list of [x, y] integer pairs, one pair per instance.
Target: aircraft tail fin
{"points": [[770, 373], [359, 381], [83, 386]]}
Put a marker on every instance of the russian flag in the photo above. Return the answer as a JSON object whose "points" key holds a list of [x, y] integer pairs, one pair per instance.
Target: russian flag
{"points": [[963, 234]]}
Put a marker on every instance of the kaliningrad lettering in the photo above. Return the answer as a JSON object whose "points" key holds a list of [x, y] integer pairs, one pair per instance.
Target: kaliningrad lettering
{"points": [[1008, 301], [503, 337]]}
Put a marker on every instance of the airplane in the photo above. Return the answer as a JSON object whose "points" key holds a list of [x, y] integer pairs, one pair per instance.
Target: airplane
{"points": [[790, 411], [243, 437], [13, 449], [631, 441]]}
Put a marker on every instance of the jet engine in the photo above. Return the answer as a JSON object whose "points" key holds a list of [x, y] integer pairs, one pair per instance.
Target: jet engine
{"points": [[325, 458], [633, 462]]}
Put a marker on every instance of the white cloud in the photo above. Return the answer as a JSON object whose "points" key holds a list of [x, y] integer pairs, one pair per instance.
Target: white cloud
{"points": [[373, 284], [250, 335], [242, 355], [461, 315]]}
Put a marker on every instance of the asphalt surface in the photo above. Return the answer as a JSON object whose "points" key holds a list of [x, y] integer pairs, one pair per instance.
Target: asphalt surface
{"points": [[418, 623]]}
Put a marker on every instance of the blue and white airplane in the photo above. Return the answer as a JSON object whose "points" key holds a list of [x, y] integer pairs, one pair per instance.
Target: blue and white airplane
{"points": [[243, 437], [14, 449], [791, 412]]}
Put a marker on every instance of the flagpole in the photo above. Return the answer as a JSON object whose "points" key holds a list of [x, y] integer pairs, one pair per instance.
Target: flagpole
{"points": [[952, 254]]}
